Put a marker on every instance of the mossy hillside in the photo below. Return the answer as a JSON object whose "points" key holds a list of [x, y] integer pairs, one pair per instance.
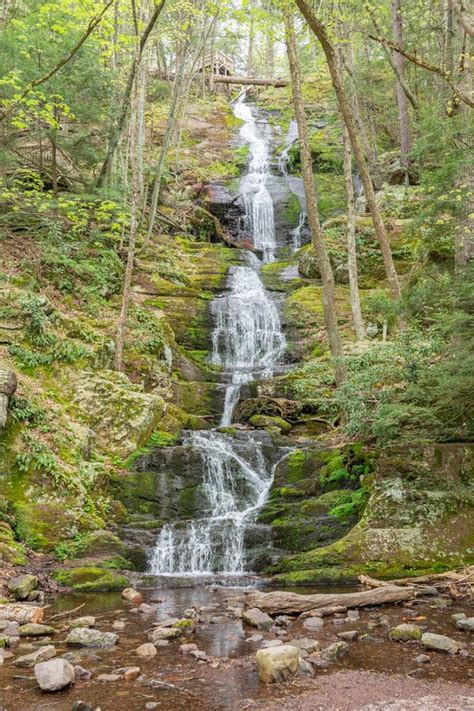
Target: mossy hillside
{"points": [[74, 420], [418, 519]]}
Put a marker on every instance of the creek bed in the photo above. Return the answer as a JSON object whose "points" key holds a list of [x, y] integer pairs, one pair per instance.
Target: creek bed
{"points": [[229, 680]]}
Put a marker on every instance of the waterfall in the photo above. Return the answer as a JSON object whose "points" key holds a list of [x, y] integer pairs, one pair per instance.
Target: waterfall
{"points": [[247, 342], [258, 203], [247, 339]]}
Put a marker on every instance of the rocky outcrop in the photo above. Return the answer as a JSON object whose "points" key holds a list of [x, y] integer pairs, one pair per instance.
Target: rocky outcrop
{"points": [[419, 517], [121, 413]]}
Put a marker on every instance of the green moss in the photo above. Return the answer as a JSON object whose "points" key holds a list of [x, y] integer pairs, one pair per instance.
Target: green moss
{"points": [[184, 624], [91, 580], [265, 421], [296, 461]]}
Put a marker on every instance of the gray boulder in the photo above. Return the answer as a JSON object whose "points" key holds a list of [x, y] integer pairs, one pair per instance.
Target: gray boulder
{"points": [[54, 674], [86, 637], [313, 623], [466, 624], [87, 621], [406, 633], [305, 644], [335, 651], [256, 618], [40, 655], [440, 643], [32, 629]]}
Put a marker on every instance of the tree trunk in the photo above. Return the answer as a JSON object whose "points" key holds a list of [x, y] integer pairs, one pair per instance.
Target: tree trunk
{"points": [[403, 116], [120, 124], [135, 195], [327, 277], [346, 111], [250, 58], [351, 242], [279, 602], [22, 613], [170, 126]]}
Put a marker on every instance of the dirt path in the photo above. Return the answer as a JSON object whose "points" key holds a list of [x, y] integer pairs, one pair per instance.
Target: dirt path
{"points": [[370, 691]]}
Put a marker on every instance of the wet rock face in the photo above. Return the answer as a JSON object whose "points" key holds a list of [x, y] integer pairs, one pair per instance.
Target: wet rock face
{"points": [[167, 482]]}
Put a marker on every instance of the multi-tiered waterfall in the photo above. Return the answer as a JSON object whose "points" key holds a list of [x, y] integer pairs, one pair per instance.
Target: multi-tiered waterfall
{"points": [[248, 343]]}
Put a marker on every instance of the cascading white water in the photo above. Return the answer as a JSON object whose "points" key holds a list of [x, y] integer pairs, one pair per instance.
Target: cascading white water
{"points": [[248, 343], [296, 233], [294, 183], [247, 339], [257, 200], [284, 157]]}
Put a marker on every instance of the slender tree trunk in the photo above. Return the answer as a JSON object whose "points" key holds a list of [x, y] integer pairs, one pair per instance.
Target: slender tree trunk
{"points": [[170, 126], [250, 52], [327, 277], [403, 115], [135, 195], [351, 241], [346, 111], [120, 124]]}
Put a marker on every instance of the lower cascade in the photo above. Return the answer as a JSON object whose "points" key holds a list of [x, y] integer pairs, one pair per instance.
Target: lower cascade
{"points": [[248, 343]]}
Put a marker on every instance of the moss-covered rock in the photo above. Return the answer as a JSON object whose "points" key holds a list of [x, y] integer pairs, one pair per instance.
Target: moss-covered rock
{"points": [[121, 414], [43, 525], [265, 421], [418, 519], [91, 579]]}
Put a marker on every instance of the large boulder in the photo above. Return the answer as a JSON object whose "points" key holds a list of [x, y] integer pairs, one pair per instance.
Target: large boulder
{"points": [[8, 385], [406, 633], [86, 637], [22, 585], [277, 663], [466, 624], [54, 674], [121, 413]]}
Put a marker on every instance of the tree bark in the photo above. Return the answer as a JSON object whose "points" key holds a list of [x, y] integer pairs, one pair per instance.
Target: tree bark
{"points": [[170, 126], [120, 124], [280, 602], [403, 115], [351, 242], [16, 612], [327, 277], [395, 67], [250, 57], [135, 195], [346, 111]]}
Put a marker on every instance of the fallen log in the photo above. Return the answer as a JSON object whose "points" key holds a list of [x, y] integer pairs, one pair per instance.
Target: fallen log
{"points": [[16, 612], [441, 579], [279, 602]]}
